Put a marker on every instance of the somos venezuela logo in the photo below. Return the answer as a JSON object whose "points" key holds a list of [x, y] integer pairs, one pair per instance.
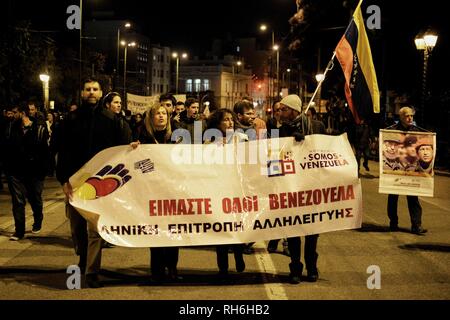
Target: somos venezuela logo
{"points": [[315, 159]]}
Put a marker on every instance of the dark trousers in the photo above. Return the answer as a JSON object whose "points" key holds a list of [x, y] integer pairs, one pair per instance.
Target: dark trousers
{"points": [[163, 257], [21, 189], [362, 153], [86, 241], [222, 255], [415, 210], [311, 255]]}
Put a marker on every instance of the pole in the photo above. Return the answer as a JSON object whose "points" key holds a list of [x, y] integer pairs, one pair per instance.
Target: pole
{"points": [[125, 72], [80, 53], [177, 74], [424, 84], [46, 94], [278, 74], [118, 55], [329, 67], [232, 86]]}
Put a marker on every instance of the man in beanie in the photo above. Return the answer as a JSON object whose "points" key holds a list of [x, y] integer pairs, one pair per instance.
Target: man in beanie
{"points": [[296, 124], [415, 210]]}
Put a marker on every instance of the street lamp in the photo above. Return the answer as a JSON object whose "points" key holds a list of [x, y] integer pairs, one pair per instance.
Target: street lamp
{"points": [[288, 70], [177, 72], [319, 78], [263, 28], [126, 45], [277, 49], [425, 42], [126, 25], [45, 78]]}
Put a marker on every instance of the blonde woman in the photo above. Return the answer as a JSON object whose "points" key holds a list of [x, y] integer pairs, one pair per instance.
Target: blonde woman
{"points": [[157, 130]]}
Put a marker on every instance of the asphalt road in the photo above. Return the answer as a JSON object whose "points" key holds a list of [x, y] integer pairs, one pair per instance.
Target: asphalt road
{"points": [[411, 267]]}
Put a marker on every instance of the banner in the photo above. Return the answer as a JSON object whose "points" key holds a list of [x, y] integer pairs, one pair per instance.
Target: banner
{"points": [[185, 195], [407, 162], [355, 57], [140, 104]]}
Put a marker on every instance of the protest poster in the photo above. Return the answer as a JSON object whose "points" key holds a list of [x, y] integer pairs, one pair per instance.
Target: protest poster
{"points": [[407, 162], [184, 195]]}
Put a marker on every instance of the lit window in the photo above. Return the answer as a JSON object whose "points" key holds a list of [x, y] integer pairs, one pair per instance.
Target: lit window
{"points": [[189, 85], [197, 85], [205, 84]]}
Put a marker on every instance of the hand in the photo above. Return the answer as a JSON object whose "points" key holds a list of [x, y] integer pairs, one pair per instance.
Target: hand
{"points": [[135, 144], [68, 191], [298, 136], [106, 181]]}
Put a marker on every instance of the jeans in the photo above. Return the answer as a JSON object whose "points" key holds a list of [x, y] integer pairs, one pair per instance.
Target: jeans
{"points": [[21, 189]]}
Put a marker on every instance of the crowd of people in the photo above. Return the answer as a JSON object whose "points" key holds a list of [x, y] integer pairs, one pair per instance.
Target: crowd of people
{"points": [[36, 147]]}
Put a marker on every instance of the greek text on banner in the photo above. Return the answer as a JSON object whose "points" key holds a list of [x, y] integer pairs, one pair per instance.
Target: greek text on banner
{"points": [[184, 195]]}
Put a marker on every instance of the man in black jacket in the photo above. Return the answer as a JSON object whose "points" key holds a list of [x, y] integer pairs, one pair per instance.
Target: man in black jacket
{"points": [[415, 210], [85, 132], [25, 160], [297, 125]]}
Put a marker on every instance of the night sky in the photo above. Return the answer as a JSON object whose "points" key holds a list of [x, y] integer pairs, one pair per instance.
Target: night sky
{"points": [[191, 25]]}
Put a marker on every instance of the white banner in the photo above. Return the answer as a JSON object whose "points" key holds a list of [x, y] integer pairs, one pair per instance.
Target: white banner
{"points": [[140, 104], [184, 195], [407, 162]]}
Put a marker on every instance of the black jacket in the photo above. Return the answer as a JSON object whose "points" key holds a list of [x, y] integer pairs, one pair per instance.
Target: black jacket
{"points": [[85, 132], [26, 152], [399, 126], [298, 127]]}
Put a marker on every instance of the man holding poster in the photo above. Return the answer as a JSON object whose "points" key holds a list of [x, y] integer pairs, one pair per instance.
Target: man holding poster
{"points": [[395, 178]]}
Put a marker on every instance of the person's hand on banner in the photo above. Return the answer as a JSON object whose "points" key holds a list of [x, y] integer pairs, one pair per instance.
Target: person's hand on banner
{"points": [[104, 182], [298, 136], [135, 144], [68, 191]]}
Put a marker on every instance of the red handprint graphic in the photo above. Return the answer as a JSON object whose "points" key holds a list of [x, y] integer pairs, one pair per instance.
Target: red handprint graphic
{"points": [[106, 181]]}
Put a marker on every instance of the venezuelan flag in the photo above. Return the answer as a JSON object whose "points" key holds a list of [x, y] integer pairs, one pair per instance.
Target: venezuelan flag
{"points": [[355, 58]]}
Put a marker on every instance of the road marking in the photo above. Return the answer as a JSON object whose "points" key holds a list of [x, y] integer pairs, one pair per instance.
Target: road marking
{"points": [[275, 291]]}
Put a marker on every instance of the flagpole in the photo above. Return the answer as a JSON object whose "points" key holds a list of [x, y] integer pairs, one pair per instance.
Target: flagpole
{"points": [[330, 66], [330, 63]]}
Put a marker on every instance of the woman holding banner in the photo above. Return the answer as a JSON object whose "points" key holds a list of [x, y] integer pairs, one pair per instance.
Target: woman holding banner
{"points": [[157, 130], [224, 120]]}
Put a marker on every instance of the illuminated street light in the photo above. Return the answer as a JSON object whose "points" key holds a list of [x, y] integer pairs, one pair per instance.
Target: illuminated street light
{"points": [[319, 78], [126, 45], [177, 71], [126, 25], [45, 78], [425, 42], [277, 49]]}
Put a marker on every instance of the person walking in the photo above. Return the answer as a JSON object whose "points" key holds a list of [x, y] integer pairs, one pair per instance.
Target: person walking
{"points": [[84, 132], [405, 124], [224, 120], [157, 130], [26, 156], [296, 124]]}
